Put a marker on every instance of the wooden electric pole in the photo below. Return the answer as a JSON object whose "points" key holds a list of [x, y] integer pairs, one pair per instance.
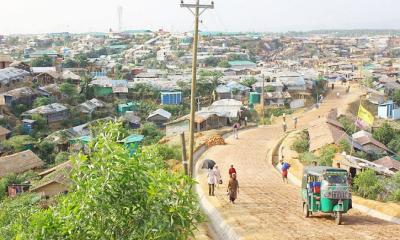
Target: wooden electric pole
{"points": [[196, 7]]}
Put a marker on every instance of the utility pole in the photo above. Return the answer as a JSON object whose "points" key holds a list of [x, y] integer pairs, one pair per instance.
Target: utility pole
{"points": [[196, 7], [262, 101]]}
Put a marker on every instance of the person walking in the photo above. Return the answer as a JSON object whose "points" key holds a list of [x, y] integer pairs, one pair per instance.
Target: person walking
{"points": [[232, 170], [217, 174], [284, 117], [285, 168], [236, 127], [211, 182], [295, 122], [233, 188], [284, 126]]}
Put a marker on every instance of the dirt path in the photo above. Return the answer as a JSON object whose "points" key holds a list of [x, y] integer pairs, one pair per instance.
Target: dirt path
{"points": [[267, 208]]}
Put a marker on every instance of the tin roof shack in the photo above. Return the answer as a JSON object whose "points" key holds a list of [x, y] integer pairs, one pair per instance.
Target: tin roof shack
{"points": [[276, 98], [5, 61], [240, 65], [45, 75], [355, 165], [232, 90], [369, 144], [51, 90], [23, 95], [294, 83], [4, 133], [388, 110], [11, 78], [71, 77], [228, 107], [132, 119], [55, 180], [325, 131], [51, 113], [204, 120], [91, 107], [21, 65], [389, 162], [106, 87], [159, 117], [19, 162]]}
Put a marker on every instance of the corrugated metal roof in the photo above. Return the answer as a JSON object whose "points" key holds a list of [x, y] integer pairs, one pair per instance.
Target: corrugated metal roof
{"points": [[10, 73], [160, 112], [51, 108]]}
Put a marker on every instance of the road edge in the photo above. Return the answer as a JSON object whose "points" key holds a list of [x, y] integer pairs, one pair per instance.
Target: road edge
{"points": [[220, 228], [295, 181]]}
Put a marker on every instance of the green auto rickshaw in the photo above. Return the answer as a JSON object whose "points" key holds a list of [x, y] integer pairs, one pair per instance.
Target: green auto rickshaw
{"points": [[326, 190]]}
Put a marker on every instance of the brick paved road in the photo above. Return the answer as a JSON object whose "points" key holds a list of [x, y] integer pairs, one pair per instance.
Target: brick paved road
{"points": [[267, 208]]}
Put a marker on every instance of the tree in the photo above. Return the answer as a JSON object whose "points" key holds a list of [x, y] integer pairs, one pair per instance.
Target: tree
{"points": [[61, 157], [211, 61], [249, 82], [46, 152], [81, 60], [41, 101], [326, 155], [152, 134], [117, 196], [69, 91], [43, 61], [70, 63], [86, 89], [224, 64], [19, 109], [368, 185], [385, 133], [396, 97]]}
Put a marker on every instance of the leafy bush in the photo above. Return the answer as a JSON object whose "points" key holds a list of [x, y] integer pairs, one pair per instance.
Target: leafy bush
{"points": [[167, 152], [279, 112], [46, 151], [368, 185], [16, 213], [344, 146], [113, 196], [61, 157], [308, 158], [41, 101], [301, 144], [152, 134], [18, 143], [385, 133], [116, 196], [326, 155], [14, 179], [349, 126]]}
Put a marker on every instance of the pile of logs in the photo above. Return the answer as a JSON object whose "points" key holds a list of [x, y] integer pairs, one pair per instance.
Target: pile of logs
{"points": [[215, 140]]}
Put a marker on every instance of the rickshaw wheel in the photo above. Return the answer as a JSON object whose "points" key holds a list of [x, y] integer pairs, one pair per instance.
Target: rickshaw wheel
{"points": [[306, 213], [338, 218]]}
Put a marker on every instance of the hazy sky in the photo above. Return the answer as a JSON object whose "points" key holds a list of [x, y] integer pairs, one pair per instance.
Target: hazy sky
{"points": [[38, 16]]}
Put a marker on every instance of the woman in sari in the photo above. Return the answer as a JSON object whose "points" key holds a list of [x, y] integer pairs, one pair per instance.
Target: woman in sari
{"points": [[233, 188]]}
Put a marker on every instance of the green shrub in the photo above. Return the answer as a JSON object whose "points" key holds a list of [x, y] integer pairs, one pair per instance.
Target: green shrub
{"points": [[113, 196], [301, 144], [385, 133], [368, 185], [308, 158], [152, 134], [344, 146], [167, 152], [14, 179], [326, 155]]}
